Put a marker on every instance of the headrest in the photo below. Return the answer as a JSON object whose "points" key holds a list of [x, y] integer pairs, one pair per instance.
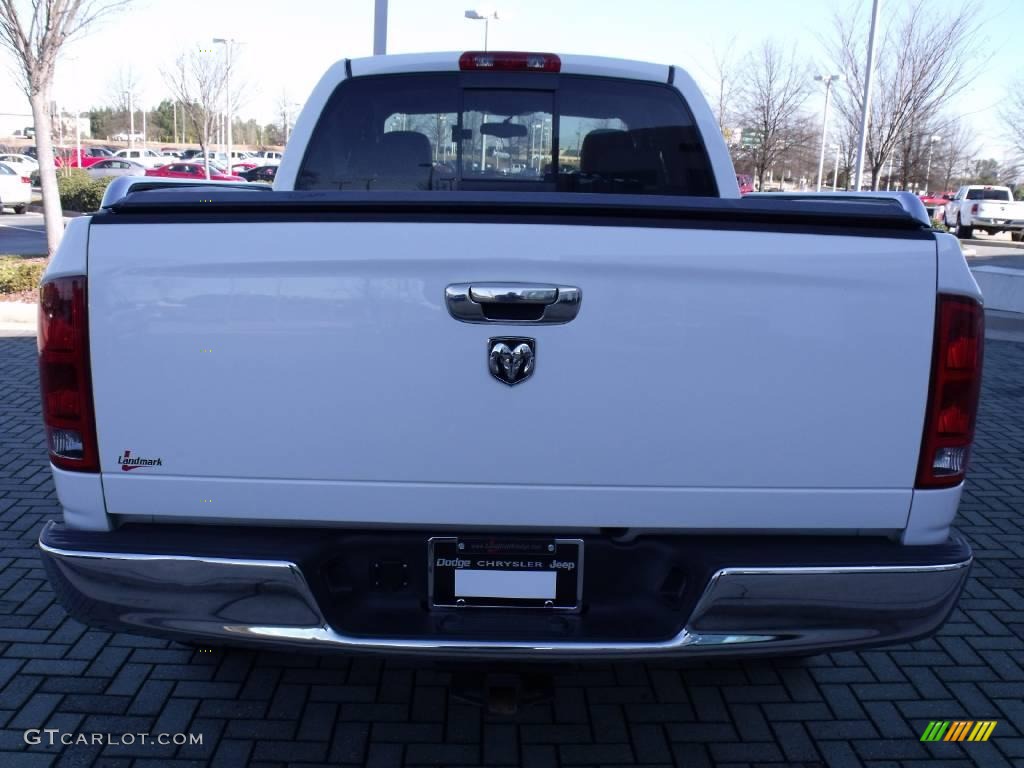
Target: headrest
{"points": [[606, 150], [405, 148]]}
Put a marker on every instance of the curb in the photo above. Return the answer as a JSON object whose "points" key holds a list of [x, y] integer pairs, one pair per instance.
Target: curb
{"points": [[33, 208], [1001, 287], [994, 243], [19, 313], [1004, 326]]}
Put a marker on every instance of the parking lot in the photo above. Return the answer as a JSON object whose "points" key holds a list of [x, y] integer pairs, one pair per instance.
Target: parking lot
{"points": [[269, 709], [23, 235]]}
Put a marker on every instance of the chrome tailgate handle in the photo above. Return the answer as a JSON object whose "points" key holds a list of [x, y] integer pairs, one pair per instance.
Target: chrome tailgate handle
{"points": [[513, 303], [513, 292]]}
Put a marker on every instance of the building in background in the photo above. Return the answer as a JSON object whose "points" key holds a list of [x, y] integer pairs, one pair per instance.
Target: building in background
{"points": [[15, 123]]}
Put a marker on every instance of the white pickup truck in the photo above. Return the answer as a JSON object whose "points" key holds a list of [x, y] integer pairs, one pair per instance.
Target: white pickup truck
{"points": [[990, 209], [410, 402]]}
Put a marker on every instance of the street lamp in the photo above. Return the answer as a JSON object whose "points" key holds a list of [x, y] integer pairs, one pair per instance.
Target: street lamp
{"points": [[442, 129], [131, 119], [78, 136], [827, 80], [228, 42], [380, 27], [865, 111], [288, 105], [485, 18], [835, 172], [928, 165], [535, 144]]}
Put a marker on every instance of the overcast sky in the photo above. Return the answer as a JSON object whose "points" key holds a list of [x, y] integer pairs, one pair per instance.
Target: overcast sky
{"points": [[287, 46]]}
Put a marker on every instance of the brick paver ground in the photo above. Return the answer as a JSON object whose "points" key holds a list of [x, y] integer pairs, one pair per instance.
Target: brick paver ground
{"points": [[269, 709]]}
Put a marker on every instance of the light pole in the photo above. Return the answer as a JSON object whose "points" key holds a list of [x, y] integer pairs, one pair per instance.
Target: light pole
{"points": [[533, 142], [287, 118], [380, 27], [827, 80], [835, 172], [228, 42], [483, 145], [928, 165], [78, 138], [486, 18], [131, 120], [866, 106], [442, 129]]}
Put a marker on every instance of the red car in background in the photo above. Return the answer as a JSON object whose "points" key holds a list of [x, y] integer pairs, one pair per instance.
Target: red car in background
{"points": [[71, 158], [192, 171], [746, 182], [934, 203]]}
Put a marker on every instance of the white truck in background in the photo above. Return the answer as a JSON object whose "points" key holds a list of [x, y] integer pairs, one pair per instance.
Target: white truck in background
{"points": [[409, 401], [990, 209]]}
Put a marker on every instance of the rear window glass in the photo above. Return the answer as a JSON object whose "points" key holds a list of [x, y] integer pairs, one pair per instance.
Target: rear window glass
{"points": [[1002, 195], [572, 134]]}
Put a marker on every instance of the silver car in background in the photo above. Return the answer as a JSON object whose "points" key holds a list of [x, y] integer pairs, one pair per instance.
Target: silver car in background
{"points": [[116, 166]]}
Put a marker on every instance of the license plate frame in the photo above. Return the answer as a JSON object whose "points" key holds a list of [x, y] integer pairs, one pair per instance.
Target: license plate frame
{"points": [[548, 561]]}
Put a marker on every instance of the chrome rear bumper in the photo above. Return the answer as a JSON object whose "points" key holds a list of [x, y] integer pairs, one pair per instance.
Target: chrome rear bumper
{"points": [[741, 611], [1004, 224]]}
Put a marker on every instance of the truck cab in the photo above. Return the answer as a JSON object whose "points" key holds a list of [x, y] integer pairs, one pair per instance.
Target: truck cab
{"points": [[987, 208]]}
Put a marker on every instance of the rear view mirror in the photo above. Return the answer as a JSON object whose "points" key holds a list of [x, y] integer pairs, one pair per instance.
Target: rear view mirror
{"points": [[503, 130]]}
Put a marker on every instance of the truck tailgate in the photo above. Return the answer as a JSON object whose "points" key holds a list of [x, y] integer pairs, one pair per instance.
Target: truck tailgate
{"points": [[310, 371]]}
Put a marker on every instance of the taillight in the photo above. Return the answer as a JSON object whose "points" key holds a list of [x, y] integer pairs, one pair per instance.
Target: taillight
{"points": [[64, 377], [953, 394], [510, 61], [974, 208], [26, 180]]}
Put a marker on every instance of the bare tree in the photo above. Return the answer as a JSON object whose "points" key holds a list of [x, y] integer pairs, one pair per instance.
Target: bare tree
{"points": [[772, 102], [924, 60], [124, 88], [955, 150], [197, 82], [849, 143], [909, 155], [35, 33], [991, 171], [725, 75], [286, 108], [240, 91], [124, 96]]}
